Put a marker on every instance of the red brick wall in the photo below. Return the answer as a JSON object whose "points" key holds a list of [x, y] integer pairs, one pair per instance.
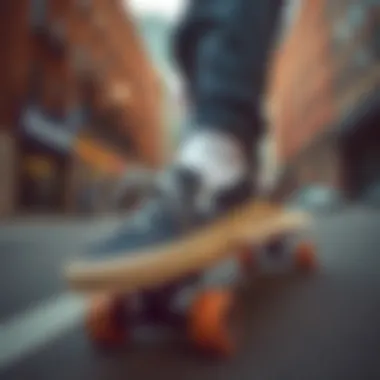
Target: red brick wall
{"points": [[300, 87], [355, 50], [325, 66], [15, 51], [100, 38]]}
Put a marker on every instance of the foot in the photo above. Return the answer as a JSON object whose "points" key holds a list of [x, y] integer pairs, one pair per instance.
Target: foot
{"points": [[176, 209], [211, 176]]}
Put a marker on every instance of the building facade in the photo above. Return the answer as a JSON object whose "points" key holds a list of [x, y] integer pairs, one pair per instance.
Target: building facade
{"points": [[81, 103], [325, 69]]}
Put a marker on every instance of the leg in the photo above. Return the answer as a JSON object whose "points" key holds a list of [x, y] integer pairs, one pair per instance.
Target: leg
{"points": [[222, 48]]}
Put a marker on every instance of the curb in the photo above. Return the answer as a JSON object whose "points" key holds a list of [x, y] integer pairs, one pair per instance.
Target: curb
{"points": [[58, 219], [37, 227]]}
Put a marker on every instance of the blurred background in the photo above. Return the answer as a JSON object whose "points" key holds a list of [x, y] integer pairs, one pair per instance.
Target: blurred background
{"points": [[91, 106], [86, 89], [91, 96]]}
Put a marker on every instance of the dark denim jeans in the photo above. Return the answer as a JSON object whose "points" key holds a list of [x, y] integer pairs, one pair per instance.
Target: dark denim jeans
{"points": [[222, 47]]}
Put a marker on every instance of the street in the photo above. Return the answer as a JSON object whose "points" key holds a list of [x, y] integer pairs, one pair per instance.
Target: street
{"points": [[324, 326]]}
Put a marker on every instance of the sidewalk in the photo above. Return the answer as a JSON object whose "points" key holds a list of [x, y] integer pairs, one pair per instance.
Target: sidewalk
{"points": [[38, 226], [42, 219]]}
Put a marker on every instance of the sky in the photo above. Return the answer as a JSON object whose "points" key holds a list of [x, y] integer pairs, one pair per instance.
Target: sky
{"points": [[170, 9]]}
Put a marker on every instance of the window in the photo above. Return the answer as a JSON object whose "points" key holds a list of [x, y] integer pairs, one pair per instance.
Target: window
{"points": [[57, 38], [84, 5], [77, 116], [38, 13], [79, 58], [36, 77], [356, 15], [375, 34], [106, 127], [58, 31], [100, 23], [363, 57], [292, 11], [354, 67]]}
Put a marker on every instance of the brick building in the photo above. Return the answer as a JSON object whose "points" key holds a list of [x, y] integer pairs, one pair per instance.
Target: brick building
{"points": [[80, 102], [324, 73]]}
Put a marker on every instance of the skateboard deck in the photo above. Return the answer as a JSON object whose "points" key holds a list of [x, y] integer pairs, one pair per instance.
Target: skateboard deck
{"points": [[255, 223]]}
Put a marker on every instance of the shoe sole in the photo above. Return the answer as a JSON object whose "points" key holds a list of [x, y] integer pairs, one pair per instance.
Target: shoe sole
{"points": [[254, 223]]}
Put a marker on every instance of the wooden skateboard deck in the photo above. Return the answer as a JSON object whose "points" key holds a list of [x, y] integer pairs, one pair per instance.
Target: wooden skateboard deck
{"points": [[254, 223]]}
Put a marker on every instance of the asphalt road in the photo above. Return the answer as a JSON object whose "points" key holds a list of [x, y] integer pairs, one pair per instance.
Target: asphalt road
{"points": [[325, 326]]}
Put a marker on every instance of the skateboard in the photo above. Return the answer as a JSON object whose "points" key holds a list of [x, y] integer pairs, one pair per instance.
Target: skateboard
{"points": [[178, 286]]}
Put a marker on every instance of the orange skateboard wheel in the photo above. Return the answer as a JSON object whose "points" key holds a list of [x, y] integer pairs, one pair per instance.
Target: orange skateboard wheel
{"points": [[304, 255], [246, 258], [209, 324], [104, 322]]}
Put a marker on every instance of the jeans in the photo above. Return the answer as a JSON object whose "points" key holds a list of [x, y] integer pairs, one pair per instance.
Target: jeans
{"points": [[222, 47]]}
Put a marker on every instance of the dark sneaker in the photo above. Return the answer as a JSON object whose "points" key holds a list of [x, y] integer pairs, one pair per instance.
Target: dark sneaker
{"points": [[170, 214]]}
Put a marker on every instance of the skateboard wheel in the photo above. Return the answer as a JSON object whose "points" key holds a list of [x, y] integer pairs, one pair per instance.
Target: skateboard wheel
{"points": [[276, 247], [105, 323], [209, 323], [304, 256], [246, 259]]}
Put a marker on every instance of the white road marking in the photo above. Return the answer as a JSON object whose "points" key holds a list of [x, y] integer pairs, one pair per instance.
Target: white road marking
{"points": [[26, 333]]}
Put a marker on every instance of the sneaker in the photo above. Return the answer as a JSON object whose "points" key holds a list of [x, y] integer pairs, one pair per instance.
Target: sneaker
{"points": [[168, 216]]}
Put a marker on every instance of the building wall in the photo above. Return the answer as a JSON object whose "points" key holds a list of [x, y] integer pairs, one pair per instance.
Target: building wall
{"points": [[299, 90], [67, 56], [356, 51], [15, 56], [324, 68]]}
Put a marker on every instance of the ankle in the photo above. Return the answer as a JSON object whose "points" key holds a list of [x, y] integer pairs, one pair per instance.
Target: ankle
{"points": [[218, 159]]}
